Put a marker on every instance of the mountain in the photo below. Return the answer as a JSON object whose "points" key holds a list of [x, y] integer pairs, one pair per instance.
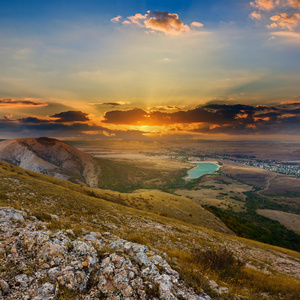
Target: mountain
{"points": [[60, 240], [51, 157]]}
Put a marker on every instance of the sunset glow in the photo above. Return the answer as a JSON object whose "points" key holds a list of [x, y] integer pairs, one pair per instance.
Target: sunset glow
{"points": [[108, 70]]}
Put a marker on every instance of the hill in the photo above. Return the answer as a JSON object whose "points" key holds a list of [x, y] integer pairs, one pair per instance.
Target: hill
{"points": [[223, 265], [51, 157]]}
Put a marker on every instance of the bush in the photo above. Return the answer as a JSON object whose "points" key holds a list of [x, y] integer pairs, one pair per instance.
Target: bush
{"points": [[222, 261]]}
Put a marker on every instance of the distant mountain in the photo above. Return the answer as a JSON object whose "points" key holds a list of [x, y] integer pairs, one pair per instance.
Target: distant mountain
{"points": [[51, 157]]}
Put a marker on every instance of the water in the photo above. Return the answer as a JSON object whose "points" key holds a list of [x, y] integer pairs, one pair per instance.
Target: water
{"points": [[202, 169]]}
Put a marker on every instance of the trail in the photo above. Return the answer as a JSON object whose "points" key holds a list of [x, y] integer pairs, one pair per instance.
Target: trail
{"points": [[269, 179]]}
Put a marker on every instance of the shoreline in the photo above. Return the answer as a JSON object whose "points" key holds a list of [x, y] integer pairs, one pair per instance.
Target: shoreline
{"points": [[201, 162]]}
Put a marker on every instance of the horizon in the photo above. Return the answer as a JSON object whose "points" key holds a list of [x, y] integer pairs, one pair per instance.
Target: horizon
{"points": [[150, 70]]}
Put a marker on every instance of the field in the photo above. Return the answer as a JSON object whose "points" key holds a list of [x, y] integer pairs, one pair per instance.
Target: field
{"points": [[281, 191], [290, 221], [219, 191]]}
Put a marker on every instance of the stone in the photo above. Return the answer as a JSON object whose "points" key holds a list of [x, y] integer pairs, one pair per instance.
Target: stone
{"points": [[4, 287], [23, 280], [126, 273]]}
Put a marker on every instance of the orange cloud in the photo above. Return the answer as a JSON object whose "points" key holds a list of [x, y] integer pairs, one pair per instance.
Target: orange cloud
{"points": [[165, 22], [161, 21], [264, 4], [285, 21], [116, 19], [294, 3], [197, 24], [255, 15], [7, 117]]}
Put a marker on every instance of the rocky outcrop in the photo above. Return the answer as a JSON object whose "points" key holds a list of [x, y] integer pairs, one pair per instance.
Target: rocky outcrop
{"points": [[40, 264], [51, 157]]}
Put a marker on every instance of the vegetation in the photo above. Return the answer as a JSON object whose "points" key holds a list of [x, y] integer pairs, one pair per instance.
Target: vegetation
{"points": [[251, 225], [239, 278], [221, 260], [136, 176]]}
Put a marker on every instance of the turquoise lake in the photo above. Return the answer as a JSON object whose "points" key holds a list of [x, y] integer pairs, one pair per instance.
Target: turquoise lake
{"points": [[202, 169]]}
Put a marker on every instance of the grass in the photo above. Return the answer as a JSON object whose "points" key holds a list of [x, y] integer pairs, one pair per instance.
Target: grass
{"points": [[138, 176], [80, 207]]}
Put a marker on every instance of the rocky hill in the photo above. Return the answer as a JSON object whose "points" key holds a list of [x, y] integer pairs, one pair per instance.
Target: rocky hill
{"points": [[39, 264], [51, 157]]}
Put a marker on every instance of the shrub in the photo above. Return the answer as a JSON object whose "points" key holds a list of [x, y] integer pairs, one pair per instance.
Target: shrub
{"points": [[220, 260]]}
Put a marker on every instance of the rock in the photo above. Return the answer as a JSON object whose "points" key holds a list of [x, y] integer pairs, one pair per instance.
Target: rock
{"points": [[129, 270], [23, 280], [4, 287], [45, 292], [222, 290]]}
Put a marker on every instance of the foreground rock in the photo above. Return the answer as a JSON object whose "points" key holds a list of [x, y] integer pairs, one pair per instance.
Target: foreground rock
{"points": [[40, 264]]}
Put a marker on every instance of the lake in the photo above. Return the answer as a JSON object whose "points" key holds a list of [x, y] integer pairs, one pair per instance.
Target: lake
{"points": [[202, 168]]}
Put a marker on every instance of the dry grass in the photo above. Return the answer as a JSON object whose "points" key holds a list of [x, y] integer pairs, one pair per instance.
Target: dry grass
{"points": [[290, 221]]}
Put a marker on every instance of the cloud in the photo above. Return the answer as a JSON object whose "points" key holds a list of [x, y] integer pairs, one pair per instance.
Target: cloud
{"points": [[255, 15], [15, 102], [265, 4], [116, 19], [7, 117], [71, 116], [294, 3], [285, 21], [163, 108], [165, 22], [197, 24], [111, 103], [10, 129], [217, 118], [32, 120], [128, 117], [290, 36]]}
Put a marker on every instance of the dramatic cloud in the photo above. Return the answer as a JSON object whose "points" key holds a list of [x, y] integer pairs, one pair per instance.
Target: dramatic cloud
{"points": [[32, 120], [116, 19], [129, 117], [285, 21], [264, 4], [165, 22], [217, 118], [71, 116], [255, 15], [10, 129], [161, 21], [14, 102]]}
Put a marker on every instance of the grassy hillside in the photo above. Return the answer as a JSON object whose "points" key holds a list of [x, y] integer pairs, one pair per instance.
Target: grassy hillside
{"points": [[269, 269], [141, 175]]}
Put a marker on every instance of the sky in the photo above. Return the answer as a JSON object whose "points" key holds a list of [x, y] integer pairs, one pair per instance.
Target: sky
{"points": [[95, 69]]}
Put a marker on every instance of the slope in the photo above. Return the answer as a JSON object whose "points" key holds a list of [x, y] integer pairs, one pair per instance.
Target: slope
{"points": [[51, 157], [269, 269]]}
